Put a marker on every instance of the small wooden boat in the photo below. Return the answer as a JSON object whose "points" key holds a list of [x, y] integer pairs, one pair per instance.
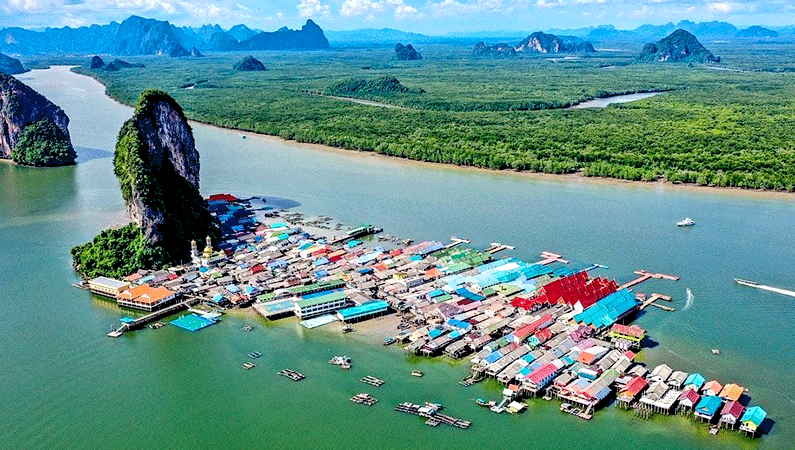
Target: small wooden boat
{"points": [[389, 341], [416, 373], [249, 365], [254, 355], [715, 351]]}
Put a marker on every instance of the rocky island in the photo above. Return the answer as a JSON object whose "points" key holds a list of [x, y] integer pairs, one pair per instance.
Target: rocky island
{"points": [[11, 66], [249, 64], [406, 52], [679, 46], [33, 131], [537, 42], [157, 167]]}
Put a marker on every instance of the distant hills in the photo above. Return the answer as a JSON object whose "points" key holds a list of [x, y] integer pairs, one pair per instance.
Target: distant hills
{"points": [[139, 36], [704, 30], [679, 46], [537, 42], [10, 66]]}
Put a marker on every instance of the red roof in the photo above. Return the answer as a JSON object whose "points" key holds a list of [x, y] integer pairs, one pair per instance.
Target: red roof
{"points": [[225, 197], [573, 289], [635, 386], [543, 373], [734, 409], [691, 395], [632, 330]]}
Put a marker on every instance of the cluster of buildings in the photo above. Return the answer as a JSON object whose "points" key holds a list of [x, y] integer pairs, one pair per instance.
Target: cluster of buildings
{"points": [[543, 329]]}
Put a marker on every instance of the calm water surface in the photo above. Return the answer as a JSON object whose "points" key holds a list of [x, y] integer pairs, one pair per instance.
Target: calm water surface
{"points": [[66, 385]]}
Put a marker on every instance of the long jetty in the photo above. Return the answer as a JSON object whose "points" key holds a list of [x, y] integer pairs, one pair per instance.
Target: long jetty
{"points": [[151, 317], [643, 276]]}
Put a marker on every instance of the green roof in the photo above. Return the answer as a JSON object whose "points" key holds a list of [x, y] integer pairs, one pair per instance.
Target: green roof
{"points": [[319, 300]]}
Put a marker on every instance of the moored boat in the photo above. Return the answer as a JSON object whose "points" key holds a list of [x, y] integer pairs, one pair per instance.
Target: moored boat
{"points": [[686, 222]]}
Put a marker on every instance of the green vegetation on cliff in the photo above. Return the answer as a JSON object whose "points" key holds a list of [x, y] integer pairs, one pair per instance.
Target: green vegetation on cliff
{"points": [[116, 253], [43, 144], [157, 167]]}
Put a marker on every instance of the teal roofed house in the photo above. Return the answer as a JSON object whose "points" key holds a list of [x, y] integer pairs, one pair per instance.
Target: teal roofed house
{"points": [[752, 419], [695, 381], [608, 310], [708, 407], [363, 311]]}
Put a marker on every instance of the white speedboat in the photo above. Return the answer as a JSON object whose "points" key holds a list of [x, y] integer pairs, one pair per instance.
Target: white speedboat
{"points": [[687, 222]]}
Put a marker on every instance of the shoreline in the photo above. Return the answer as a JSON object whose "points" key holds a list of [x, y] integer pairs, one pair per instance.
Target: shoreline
{"points": [[538, 176]]}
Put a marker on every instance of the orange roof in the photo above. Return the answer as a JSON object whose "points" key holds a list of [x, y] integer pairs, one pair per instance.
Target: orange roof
{"points": [[135, 292], [133, 277], [732, 392], [146, 294], [713, 386]]}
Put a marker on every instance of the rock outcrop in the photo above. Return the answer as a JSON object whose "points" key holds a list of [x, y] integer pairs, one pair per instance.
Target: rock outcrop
{"points": [[96, 63], [549, 43], [249, 64], [118, 64], [33, 131], [497, 50], [11, 66], [157, 166], [406, 52], [679, 46], [309, 37]]}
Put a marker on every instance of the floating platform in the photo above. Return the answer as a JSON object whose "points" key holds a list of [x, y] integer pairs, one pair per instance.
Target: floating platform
{"points": [[192, 322], [371, 380], [364, 399], [431, 412], [292, 374]]}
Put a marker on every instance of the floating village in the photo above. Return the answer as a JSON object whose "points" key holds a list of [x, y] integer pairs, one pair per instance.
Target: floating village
{"points": [[544, 329]]}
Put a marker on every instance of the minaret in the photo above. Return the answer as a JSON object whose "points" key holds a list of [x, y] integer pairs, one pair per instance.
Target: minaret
{"points": [[208, 251], [194, 252]]}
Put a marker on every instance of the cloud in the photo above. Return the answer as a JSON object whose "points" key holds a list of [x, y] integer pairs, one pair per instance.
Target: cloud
{"points": [[725, 7], [369, 8], [313, 8], [550, 3], [448, 8], [25, 5]]}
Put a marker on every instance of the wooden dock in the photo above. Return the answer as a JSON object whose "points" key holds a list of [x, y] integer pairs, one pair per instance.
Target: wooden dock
{"points": [[643, 276], [652, 301], [454, 241], [550, 258], [154, 315], [496, 247]]}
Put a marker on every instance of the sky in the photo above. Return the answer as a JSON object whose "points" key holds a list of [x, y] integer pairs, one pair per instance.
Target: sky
{"points": [[434, 17]]}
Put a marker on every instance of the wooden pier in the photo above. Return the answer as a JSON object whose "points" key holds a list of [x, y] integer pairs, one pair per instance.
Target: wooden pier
{"points": [[455, 241], [550, 258], [432, 415], [292, 374], [643, 276], [652, 301], [496, 247], [151, 317]]}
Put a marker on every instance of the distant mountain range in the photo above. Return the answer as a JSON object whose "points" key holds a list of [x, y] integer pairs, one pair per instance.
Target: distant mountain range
{"points": [[139, 36], [704, 30]]}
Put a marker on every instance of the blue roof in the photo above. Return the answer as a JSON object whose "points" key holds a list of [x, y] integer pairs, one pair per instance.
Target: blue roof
{"points": [[232, 288], [363, 310], [709, 405], [435, 333], [696, 379], [755, 414], [469, 295], [608, 310]]}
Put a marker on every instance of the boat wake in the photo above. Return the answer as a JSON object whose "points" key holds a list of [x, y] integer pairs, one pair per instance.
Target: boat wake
{"points": [[689, 300]]}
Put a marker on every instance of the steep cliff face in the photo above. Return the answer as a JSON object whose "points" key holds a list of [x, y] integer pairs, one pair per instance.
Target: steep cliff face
{"points": [[157, 166], [549, 43], [679, 46], [11, 66], [158, 169], [33, 131]]}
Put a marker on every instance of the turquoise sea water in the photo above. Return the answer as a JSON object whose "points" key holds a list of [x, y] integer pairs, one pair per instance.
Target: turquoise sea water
{"points": [[66, 385]]}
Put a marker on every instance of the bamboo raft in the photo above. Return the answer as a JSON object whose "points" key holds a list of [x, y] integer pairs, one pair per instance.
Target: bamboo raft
{"points": [[292, 374], [432, 415], [371, 380], [364, 399]]}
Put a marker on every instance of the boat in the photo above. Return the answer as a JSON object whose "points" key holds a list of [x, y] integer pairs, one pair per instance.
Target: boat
{"points": [[715, 351], [247, 328], [480, 402], [416, 373], [249, 365], [253, 355], [346, 329], [746, 282], [686, 222], [343, 361], [389, 341], [713, 430]]}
